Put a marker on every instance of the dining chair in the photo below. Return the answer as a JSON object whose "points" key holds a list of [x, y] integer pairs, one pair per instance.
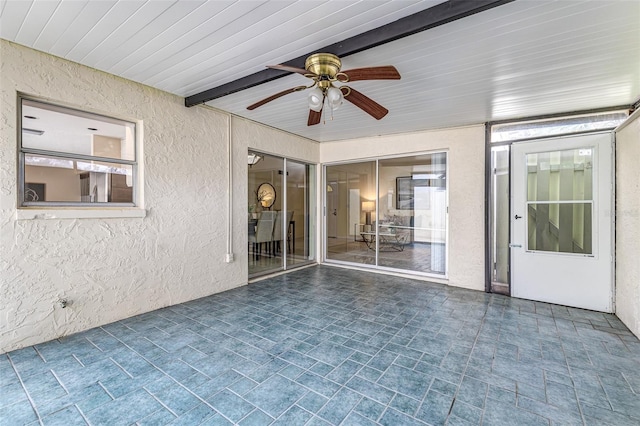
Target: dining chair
{"points": [[264, 233]]}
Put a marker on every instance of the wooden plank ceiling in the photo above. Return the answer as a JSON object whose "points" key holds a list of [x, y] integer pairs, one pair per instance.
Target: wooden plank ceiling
{"points": [[519, 59]]}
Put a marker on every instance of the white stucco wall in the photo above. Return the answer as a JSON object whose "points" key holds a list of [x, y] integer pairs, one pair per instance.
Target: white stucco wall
{"points": [[466, 151], [628, 225], [113, 268]]}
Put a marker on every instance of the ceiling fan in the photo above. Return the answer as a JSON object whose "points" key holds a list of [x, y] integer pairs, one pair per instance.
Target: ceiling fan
{"points": [[324, 70]]}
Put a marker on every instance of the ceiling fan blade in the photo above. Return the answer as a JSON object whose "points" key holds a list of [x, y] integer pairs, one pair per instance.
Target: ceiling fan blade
{"points": [[365, 103], [290, 69], [386, 72], [276, 96], [314, 117]]}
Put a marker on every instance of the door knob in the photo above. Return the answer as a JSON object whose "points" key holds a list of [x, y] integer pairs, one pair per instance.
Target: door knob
{"points": [[518, 217]]}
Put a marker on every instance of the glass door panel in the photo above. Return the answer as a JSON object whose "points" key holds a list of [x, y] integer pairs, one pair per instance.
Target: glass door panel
{"points": [[265, 199], [350, 215], [392, 216], [412, 213], [299, 224]]}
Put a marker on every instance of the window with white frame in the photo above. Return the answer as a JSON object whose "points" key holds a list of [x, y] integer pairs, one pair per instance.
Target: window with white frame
{"points": [[74, 158]]}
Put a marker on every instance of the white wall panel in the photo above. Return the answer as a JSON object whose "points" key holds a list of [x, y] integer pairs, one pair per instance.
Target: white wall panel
{"points": [[628, 225]]}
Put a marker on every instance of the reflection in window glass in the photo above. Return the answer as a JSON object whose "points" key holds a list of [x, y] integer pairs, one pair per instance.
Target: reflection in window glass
{"points": [[351, 212], [300, 225], [266, 201], [280, 222], [54, 128], [64, 180], [560, 228], [412, 224], [560, 175], [402, 227], [560, 201], [69, 156]]}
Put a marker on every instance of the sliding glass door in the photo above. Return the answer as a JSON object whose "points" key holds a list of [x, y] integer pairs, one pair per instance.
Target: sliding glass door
{"points": [[351, 194], [413, 206], [301, 228], [390, 213], [280, 213]]}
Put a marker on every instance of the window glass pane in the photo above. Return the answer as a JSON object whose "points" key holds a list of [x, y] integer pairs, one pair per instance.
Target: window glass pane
{"points": [[500, 218], [557, 126], [560, 175], [52, 179], [412, 213], [560, 227], [53, 128]]}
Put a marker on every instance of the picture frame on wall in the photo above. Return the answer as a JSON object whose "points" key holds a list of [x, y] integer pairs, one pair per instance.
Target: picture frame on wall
{"points": [[408, 188], [404, 193], [34, 191]]}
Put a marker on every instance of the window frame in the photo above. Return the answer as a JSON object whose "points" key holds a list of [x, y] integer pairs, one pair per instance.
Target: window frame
{"points": [[433, 276], [597, 120], [24, 151]]}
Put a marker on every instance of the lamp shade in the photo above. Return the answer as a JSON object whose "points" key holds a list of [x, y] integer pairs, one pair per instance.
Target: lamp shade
{"points": [[316, 99], [368, 206], [253, 158]]}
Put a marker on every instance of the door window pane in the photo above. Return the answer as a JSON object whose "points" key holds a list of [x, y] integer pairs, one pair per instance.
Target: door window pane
{"points": [[560, 228], [560, 201], [560, 175]]}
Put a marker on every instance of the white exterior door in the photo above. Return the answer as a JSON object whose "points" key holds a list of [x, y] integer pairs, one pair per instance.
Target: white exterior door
{"points": [[561, 221]]}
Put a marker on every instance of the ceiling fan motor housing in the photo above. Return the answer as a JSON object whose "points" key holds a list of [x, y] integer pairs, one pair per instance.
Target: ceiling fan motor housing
{"points": [[323, 64]]}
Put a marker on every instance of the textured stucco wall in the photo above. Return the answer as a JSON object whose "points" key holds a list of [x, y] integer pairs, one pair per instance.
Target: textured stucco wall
{"points": [[465, 147], [628, 225], [115, 268]]}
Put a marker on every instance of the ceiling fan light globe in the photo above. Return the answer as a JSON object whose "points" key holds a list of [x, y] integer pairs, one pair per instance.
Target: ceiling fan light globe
{"points": [[334, 97], [315, 98]]}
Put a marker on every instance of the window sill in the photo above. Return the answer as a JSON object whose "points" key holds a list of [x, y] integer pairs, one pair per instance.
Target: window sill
{"points": [[30, 213]]}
